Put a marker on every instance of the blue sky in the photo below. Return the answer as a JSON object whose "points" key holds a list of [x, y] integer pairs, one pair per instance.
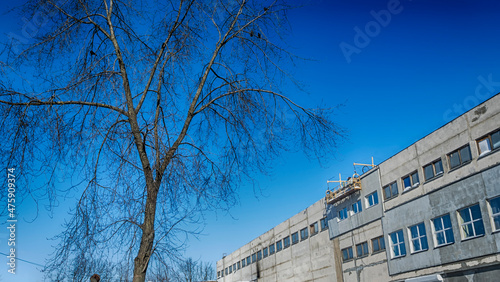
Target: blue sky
{"points": [[411, 73]]}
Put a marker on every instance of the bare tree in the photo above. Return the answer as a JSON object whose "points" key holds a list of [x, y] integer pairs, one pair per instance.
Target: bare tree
{"points": [[158, 108]]}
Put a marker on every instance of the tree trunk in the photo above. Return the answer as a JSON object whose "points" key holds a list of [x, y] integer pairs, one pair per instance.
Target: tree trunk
{"points": [[148, 234]]}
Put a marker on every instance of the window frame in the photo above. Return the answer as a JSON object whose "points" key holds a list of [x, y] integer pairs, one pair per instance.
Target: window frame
{"points": [[279, 246], [304, 234], [344, 212], [254, 257], [286, 242], [493, 215], [490, 143], [413, 184], [313, 229], [357, 207], [243, 263], [324, 223], [295, 238], [391, 190], [433, 166], [249, 260], [349, 254], [363, 246], [238, 264], [443, 231], [265, 252], [462, 222], [374, 196], [381, 244], [459, 151], [272, 249], [400, 244], [421, 238]]}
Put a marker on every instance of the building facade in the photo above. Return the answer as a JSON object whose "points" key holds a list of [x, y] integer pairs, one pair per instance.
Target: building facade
{"points": [[429, 213]]}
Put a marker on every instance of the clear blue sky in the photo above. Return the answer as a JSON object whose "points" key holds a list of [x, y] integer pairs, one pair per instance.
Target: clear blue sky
{"points": [[399, 79]]}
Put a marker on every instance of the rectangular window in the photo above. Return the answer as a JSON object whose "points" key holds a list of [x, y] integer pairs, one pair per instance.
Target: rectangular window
{"points": [[390, 191], [218, 273], [433, 169], [238, 264], [303, 234], [459, 157], [378, 244], [324, 223], [254, 257], [243, 263], [295, 238], [410, 181], [356, 207], [418, 238], [249, 260], [286, 242], [362, 249], [443, 232], [495, 213], [271, 249], [471, 222], [314, 228], [226, 271], [397, 241], [234, 267], [347, 254], [266, 252], [259, 255], [279, 246], [343, 214], [372, 199], [488, 143], [230, 269]]}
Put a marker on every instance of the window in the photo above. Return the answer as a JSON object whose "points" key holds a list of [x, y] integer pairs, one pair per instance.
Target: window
{"points": [[279, 246], [471, 222], [391, 191], [362, 249], [397, 241], [271, 249], [286, 242], [243, 263], [495, 212], [488, 143], [433, 169], [459, 157], [378, 244], [372, 199], [324, 224], [234, 267], [266, 252], [230, 269], [259, 255], [226, 271], [347, 254], [410, 181], [443, 233], [249, 260], [295, 238], [303, 234], [218, 273], [418, 238], [238, 264], [356, 207], [254, 257], [343, 214], [314, 228]]}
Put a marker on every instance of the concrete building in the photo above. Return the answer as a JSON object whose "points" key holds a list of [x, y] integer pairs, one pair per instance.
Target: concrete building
{"points": [[429, 213]]}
